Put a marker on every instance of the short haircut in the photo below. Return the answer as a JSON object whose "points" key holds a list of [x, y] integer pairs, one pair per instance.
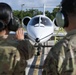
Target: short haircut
{"points": [[69, 6], [5, 11]]}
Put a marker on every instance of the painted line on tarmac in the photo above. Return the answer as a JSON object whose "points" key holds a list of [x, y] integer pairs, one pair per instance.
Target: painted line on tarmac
{"points": [[37, 65], [41, 63], [32, 66]]}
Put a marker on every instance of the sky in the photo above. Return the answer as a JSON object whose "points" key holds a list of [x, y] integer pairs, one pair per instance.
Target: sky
{"points": [[29, 4]]}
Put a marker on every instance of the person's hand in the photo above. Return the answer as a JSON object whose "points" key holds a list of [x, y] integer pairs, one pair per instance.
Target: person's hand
{"points": [[20, 34]]}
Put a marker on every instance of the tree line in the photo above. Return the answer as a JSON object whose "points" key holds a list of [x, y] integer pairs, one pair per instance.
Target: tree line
{"points": [[32, 12]]}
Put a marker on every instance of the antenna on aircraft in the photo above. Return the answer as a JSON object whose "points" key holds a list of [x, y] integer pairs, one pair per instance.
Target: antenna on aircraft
{"points": [[44, 10]]}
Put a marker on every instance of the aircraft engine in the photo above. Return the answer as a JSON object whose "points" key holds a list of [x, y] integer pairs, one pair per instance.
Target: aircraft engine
{"points": [[25, 21], [55, 25]]}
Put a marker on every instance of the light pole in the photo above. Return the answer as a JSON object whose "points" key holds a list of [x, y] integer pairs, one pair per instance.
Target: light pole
{"points": [[22, 11], [22, 6]]}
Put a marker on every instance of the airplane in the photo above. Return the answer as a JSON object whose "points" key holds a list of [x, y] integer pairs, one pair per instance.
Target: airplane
{"points": [[39, 28]]}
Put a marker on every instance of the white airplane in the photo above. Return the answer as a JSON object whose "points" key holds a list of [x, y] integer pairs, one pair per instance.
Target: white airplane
{"points": [[39, 28]]}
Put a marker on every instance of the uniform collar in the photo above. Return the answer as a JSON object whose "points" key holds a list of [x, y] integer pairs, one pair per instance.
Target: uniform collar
{"points": [[71, 32]]}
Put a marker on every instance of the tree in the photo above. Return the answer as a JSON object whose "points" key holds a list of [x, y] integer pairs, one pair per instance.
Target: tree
{"points": [[32, 12], [55, 10]]}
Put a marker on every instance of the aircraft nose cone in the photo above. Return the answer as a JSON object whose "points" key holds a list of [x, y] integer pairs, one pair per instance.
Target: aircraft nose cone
{"points": [[37, 40]]}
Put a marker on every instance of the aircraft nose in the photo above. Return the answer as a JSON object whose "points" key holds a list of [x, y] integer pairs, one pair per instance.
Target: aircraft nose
{"points": [[37, 40]]}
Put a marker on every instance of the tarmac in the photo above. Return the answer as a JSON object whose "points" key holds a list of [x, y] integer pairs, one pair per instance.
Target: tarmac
{"points": [[35, 64]]}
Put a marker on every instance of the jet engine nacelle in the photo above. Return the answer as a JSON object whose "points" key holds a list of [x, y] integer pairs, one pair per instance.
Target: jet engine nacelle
{"points": [[55, 25], [25, 21]]}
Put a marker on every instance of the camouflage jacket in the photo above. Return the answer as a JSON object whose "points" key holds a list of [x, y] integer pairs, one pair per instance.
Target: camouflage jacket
{"points": [[61, 60], [13, 56]]}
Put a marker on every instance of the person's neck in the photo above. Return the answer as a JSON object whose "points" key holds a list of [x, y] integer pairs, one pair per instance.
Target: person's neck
{"points": [[4, 34], [72, 24]]}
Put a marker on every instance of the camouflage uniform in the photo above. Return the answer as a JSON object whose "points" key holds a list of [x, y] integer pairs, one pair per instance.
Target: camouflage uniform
{"points": [[61, 60], [13, 56]]}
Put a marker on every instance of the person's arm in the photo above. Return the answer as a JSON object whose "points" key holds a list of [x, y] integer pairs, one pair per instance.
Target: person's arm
{"points": [[50, 65], [25, 46]]}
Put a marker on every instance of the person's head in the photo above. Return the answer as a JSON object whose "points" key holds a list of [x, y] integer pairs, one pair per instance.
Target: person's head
{"points": [[5, 15], [7, 20], [66, 17]]}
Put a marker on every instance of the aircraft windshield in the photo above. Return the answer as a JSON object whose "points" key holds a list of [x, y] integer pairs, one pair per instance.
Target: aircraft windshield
{"points": [[45, 21], [34, 21]]}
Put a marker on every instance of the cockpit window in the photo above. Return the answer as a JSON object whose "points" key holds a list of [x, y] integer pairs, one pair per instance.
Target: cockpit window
{"points": [[45, 21], [34, 21]]}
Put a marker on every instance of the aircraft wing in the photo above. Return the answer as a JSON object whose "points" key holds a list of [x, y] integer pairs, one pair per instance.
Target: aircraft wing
{"points": [[25, 34]]}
